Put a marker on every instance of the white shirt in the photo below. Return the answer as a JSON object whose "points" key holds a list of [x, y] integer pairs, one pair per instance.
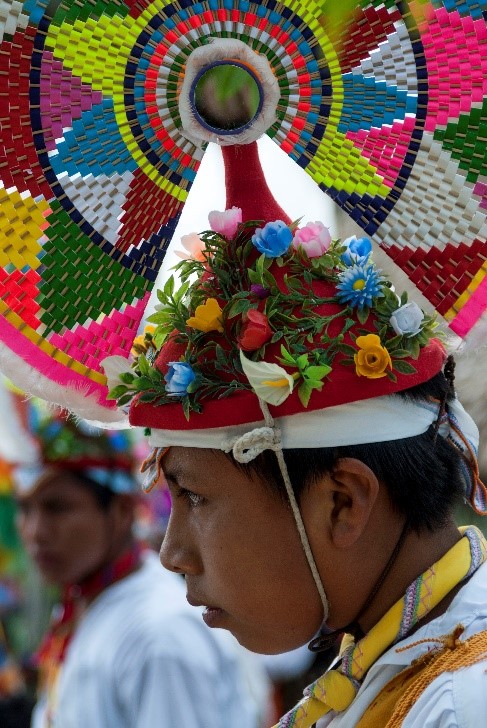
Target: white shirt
{"points": [[454, 699], [142, 657]]}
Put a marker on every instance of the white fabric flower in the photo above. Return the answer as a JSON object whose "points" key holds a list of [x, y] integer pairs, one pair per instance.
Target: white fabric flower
{"points": [[114, 366], [193, 248], [407, 320], [270, 382]]}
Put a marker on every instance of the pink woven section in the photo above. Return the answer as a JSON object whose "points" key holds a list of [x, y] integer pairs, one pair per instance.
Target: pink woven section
{"points": [[471, 311], [480, 189], [386, 147], [457, 65], [41, 363], [111, 337], [63, 98]]}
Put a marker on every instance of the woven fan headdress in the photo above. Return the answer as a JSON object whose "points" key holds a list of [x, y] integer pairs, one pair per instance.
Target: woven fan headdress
{"points": [[381, 103]]}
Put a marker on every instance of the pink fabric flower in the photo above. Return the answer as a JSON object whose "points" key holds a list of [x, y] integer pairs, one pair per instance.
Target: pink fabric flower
{"points": [[227, 222], [193, 246], [314, 239]]}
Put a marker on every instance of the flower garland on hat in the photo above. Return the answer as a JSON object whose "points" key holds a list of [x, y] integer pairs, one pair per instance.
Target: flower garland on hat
{"points": [[244, 289]]}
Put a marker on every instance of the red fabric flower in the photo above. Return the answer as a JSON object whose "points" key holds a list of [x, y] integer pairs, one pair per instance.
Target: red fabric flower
{"points": [[255, 331]]}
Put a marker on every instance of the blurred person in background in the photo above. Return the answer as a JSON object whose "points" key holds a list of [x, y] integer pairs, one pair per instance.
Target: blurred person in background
{"points": [[15, 702], [124, 649]]}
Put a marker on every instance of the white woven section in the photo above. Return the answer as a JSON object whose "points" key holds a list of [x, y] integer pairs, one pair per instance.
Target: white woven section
{"points": [[11, 17], [437, 205], [99, 199], [392, 61]]}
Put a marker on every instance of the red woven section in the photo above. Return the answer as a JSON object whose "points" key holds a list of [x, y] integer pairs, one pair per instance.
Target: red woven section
{"points": [[19, 291], [368, 28], [19, 166], [137, 7], [441, 275], [138, 221]]}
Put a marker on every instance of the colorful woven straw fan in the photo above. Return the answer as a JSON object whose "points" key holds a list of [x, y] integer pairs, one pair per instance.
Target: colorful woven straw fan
{"points": [[106, 110]]}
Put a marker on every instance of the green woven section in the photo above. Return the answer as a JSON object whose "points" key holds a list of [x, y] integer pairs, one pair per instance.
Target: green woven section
{"points": [[71, 10], [466, 140], [80, 281], [370, 3]]}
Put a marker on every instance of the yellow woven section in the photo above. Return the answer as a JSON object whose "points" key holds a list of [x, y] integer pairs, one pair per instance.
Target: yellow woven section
{"points": [[308, 712], [21, 220], [438, 581]]}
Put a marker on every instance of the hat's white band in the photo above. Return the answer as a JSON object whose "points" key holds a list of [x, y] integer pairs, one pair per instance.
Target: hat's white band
{"points": [[369, 420]]}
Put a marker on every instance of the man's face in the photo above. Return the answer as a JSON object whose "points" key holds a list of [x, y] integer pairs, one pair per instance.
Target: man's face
{"points": [[238, 546], [64, 530]]}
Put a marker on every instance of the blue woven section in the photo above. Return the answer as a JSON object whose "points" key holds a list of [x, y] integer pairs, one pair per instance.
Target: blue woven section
{"points": [[475, 8], [369, 103], [94, 145]]}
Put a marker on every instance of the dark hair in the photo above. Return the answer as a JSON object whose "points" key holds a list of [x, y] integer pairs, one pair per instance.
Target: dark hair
{"points": [[103, 495], [421, 473]]}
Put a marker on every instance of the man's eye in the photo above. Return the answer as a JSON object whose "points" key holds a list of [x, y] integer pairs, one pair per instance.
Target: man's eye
{"points": [[193, 498]]}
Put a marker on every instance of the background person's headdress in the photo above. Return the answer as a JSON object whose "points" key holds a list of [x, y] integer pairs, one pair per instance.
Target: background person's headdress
{"points": [[382, 104], [105, 457]]}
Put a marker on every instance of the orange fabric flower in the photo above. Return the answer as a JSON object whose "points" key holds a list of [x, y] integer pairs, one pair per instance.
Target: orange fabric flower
{"points": [[372, 359], [207, 317]]}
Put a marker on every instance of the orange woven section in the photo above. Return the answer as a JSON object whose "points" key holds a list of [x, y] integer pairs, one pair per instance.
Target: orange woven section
{"points": [[393, 703]]}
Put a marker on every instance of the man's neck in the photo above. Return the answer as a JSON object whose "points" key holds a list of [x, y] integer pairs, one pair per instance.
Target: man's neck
{"points": [[417, 554]]}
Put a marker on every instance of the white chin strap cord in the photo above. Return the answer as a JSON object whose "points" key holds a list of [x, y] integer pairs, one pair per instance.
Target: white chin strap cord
{"points": [[245, 449]]}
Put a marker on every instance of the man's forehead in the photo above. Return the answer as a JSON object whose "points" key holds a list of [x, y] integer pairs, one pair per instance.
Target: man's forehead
{"points": [[51, 482]]}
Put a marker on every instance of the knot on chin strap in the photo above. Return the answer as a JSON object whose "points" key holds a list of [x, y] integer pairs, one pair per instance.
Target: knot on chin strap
{"points": [[247, 447]]}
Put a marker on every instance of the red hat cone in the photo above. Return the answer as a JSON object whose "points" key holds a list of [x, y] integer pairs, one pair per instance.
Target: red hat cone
{"points": [[246, 185]]}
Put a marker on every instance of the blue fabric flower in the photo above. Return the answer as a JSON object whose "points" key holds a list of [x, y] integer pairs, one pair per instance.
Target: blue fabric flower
{"points": [[359, 285], [358, 250], [178, 378], [273, 240]]}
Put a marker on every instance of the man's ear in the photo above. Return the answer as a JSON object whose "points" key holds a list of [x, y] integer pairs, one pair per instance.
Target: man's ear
{"points": [[122, 512], [353, 490]]}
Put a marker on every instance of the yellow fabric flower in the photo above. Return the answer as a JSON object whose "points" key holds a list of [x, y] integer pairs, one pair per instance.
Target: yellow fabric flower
{"points": [[207, 317], [140, 344], [372, 359]]}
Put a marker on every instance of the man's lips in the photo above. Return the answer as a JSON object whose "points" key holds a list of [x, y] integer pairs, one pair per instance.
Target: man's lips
{"points": [[197, 602], [211, 615], [44, 559]]}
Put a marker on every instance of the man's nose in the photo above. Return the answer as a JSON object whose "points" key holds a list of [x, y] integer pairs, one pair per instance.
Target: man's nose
{"points": [[32, 527], [176, 553]]}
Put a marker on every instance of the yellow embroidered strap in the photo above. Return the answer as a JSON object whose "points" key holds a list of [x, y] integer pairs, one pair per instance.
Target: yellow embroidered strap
{"points": [[393, 703], [336, 689]]}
